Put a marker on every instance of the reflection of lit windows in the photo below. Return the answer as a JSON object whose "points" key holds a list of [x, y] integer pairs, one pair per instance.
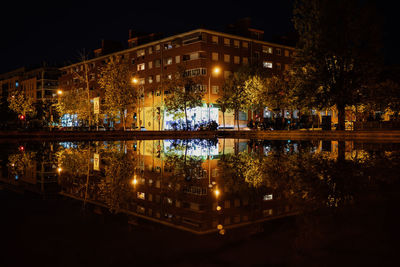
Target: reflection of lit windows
{"points": [[267, 64], [169, 200], [267, 197], [267, 212], [141, 195], [140, 66], [140, 209]]}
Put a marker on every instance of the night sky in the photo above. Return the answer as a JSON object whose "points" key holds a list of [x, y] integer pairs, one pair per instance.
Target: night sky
{"points": [[56, 31]]}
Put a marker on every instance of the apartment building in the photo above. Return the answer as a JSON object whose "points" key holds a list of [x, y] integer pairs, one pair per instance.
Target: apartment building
{"points": [[40, 84], [199, 51]]}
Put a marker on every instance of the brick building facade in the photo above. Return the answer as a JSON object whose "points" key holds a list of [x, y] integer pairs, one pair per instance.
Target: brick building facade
{"points": [[199, 51]]}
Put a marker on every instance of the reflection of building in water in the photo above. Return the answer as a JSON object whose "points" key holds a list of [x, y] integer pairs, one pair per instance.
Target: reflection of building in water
{"points": [[32, 171], [186, 193]]}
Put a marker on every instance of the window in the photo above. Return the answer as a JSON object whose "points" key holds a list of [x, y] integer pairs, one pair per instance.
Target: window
{"points": [[150, 50], [167, 46], [214, 56], [267, 50], [227, 73], [267, 64], [178, 59], [140, 53], [169, 76], [140, 66], [150, 64], [227, 58], [287, 53], [245, 60], [151, 79], [236, 43], [236, 59], [141, 81], [195, 72], [227, 42], [157, 47], [278, 66], [214, 39], [287, 66], [141, 195], [245, 44], [133, 61], [268, 197], [191, 56], [278, 51], [215, 89], [157, 63], [168, 61], [158, 78], [257, 55]]}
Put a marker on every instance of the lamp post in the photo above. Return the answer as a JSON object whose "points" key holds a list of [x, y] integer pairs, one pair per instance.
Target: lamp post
{"points": [[216, 71], [140, 91]]}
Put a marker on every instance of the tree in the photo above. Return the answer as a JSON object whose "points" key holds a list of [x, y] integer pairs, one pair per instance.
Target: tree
{"points": [[74, 102], [338, 56], [185, 92], [238, 97], [119, 94], [20, 103]]}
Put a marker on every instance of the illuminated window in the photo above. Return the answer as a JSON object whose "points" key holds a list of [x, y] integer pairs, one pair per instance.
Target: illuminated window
{"points": [[150, 50], [151, 79], [214, 39], [157, 47], [157, 63], [245, 44], [278, 66], [287, 66], [140, 53], [236, 59], [178, 59], [245, 60], [227, 42], [267, 212], [215, 89], [287, 53], [236, 43], [227, 73], [168, 61], [267, 50], [140, 66], [141, 81], [214, 56], [167, 46], [227, 58], [169, 76], [141, 195], [150, 64], [267, 197], [158, 78], [267, 64]]}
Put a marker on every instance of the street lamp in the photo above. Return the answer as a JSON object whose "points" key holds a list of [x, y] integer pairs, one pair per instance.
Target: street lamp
{"points": [[135, 81], [216, 71]]}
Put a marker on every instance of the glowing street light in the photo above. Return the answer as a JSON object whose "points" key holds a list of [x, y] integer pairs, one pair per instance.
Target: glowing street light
{"points": [[216, 71], [216, 192], [59, 92]]}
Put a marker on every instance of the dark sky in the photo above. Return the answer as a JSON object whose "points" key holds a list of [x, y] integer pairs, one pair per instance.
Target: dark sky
{"points": [[55, 32]]}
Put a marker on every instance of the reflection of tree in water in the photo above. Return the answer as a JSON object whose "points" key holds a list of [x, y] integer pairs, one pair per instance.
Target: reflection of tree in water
{"points": [[307, 180], [111, 185], [118, 171], [19, 162], [186, 166]]}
